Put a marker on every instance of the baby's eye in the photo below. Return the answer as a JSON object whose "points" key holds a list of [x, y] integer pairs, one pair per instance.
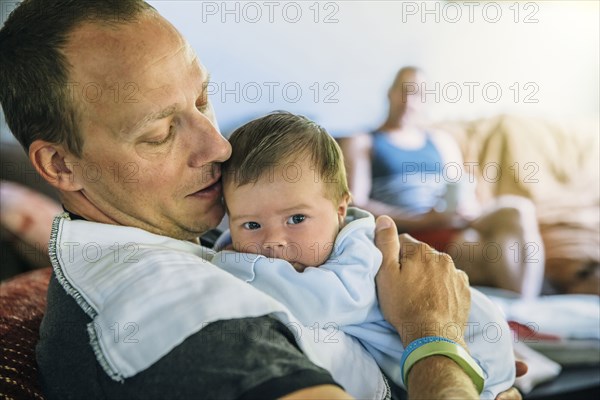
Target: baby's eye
{"points": [[251, 225], [296, 219]]}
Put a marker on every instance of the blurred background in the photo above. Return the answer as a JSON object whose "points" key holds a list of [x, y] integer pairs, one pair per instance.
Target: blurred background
{"points": [[516, 83], [334, 60]]}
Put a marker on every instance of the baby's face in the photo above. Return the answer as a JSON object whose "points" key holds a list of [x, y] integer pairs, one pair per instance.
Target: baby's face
{"points": [[285, 214]]}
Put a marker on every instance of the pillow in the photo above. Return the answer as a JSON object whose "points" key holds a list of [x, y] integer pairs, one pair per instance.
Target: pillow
{"points": [[22, 306], [25, 224], [27, 213]]}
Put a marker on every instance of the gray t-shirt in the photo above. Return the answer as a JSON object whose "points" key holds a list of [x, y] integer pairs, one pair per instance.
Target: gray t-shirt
{"points": [[248, 358]]}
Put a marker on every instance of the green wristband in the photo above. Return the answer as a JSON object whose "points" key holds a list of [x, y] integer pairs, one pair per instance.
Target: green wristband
{"points": [[453, 351]]}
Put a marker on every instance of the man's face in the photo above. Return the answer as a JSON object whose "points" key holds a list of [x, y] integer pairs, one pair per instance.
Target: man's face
{"points": [[285, 214], [406, 94], [152, 152]]}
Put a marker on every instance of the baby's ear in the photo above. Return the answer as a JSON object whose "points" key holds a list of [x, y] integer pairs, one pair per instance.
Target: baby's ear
{"points": [[342, 208]]}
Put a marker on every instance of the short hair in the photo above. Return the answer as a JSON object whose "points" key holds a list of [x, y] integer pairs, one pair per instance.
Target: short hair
{"points": [[282, 137], [34, 72]]}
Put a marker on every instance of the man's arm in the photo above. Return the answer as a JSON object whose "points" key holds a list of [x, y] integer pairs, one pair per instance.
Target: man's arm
{"points": [[319, 393], [439, 377], [415, 304], [413, 307], [418, 306]]}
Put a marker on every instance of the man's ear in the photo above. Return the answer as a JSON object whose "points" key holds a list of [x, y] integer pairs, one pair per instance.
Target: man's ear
{"points": [[51, 161], [342, 208]]}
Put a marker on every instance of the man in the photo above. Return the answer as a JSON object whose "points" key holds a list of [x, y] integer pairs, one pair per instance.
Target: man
{"points": [[398, 170], [109, 101]]}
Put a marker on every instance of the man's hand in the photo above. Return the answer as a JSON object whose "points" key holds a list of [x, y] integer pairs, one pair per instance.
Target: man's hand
{"points": [[421, 293], [510, 394], [513, 393]]}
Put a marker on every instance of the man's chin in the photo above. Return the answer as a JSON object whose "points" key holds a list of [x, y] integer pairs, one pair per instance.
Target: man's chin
{"points": [[208, 220]]}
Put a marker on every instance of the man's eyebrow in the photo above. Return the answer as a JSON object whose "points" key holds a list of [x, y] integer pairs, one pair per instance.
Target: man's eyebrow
{"points": [[168, 111], [204, 90]]}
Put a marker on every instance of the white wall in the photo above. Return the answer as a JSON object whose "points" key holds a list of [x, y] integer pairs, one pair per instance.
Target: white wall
{"points": [[550, 52], [352, 51]]}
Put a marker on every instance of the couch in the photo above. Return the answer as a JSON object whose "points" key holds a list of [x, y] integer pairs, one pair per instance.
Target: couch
{"points": [[22, 306], [556, 165]]}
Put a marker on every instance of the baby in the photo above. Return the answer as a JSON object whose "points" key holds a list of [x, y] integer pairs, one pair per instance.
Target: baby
{"points": [[294, 237]]}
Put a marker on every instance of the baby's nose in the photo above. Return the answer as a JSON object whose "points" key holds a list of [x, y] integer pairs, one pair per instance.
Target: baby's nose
{"points": [[274, 243]]}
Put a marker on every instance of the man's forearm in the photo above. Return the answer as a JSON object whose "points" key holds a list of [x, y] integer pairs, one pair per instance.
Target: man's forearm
{"points": [[329, 392], [438, 377]]}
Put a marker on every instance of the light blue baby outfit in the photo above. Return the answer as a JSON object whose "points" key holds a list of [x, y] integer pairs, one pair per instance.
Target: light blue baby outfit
{"points": [[341, 294]]}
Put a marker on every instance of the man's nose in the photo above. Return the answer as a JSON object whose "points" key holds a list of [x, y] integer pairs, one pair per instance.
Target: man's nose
{"points": [[222, 150], [207, 143]]}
